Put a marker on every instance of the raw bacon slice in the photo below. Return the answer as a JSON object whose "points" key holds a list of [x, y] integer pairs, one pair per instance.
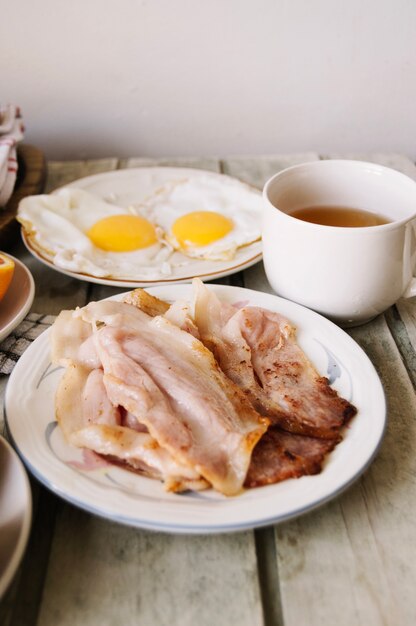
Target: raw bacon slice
{"points": [[81, 400], [140, 452], [89, 420], [179, 312], [68, 334], [171, 382], [280, 455], [164, 408], [257, 349], [146, 302]]}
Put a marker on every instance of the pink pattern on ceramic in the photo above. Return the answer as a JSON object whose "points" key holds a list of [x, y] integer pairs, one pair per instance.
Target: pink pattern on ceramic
{"points": [[241, 304], [91, 461]]}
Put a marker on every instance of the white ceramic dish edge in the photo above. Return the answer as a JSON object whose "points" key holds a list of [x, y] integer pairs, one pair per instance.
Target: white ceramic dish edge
{"points": [[11, 568], [252, 518]]}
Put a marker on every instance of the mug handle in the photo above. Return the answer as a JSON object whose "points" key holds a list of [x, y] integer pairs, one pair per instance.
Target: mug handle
{"points": [[411, 288]]}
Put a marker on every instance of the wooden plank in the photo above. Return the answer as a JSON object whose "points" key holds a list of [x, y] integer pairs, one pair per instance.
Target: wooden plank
{"points": [[19, 606], [63, 172], [407, 310], [100, 572], [399, 162], [402, 323], [255, 278], [401, 319], [103, 573], [101, 291], [3, 384], [257, 170], [32, 573], [348, 561], [54, 290], [253, 170], [31, 176], [269, 576], [200, 163]]}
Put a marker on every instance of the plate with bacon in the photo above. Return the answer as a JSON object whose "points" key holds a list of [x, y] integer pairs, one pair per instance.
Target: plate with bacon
{"points": [[195, 408]]}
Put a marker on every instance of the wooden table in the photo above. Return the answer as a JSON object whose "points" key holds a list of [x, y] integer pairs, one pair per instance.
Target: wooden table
{"points": [[351, 562]]}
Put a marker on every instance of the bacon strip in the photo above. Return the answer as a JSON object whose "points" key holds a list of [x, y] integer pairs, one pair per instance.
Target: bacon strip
{"points": [[68, 334], [257, 349], [89, 420], [171, 382], [280, 455], [163, 406]]}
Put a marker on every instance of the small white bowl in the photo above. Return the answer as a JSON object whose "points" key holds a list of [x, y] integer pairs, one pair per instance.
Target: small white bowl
{"points": [[18, 299], [15, 513]]}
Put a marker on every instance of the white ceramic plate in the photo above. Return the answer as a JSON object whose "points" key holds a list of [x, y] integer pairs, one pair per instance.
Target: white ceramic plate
{"points": [[125, 497], [15, 513], [18, 299], [131, 186]]}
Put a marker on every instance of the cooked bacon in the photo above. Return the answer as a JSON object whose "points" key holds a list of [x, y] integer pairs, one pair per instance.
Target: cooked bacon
{"points": [[68, 333], [89, 420], [257, 349], [147, 303], [96, 407], [140, 452], [130, 421], [171, 382], [81, 400], [154, 399], [179, 312], [280, 455]]}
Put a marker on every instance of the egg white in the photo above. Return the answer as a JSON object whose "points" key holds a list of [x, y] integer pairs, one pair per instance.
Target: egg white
{"points": [[57, 223], [229, 197]]}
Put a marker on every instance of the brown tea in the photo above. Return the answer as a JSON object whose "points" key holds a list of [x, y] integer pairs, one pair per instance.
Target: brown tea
{"points": [[339, 216]]}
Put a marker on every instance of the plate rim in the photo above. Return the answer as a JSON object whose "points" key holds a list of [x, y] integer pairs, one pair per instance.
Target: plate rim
{"points": [[21, 544], [126, 170], [21, 313], [253, 522], [129, 283]]}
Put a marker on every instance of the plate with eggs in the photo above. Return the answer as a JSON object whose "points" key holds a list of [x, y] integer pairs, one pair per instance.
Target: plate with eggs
{"points": [[142, 226]]}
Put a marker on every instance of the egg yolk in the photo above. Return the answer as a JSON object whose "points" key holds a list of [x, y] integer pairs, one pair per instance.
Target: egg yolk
{"points": [[200, 228], [122, 233]]}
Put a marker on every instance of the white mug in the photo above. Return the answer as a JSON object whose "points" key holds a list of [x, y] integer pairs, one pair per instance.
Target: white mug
{"points": [[349, 274]]}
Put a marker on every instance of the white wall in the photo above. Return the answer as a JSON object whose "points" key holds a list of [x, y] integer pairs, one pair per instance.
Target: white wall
{"points": [[211, 77]]}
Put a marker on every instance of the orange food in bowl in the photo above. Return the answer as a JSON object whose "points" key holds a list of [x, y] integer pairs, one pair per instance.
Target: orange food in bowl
{"points": [[6, 273]]}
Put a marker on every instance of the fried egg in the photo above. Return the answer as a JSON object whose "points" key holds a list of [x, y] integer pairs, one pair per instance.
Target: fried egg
{"points": [[206, 217], [82, 233]]}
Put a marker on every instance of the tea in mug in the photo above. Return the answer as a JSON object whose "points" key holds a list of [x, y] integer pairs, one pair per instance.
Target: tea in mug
{"points": [[339, 216]]}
